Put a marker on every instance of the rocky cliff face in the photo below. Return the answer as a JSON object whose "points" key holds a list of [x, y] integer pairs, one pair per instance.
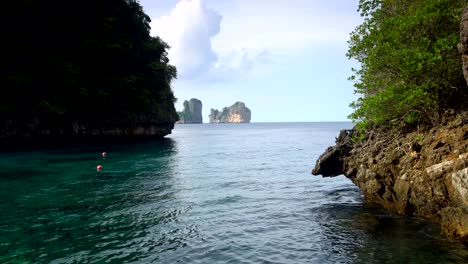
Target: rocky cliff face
{"points": [[192, 113], [422, 173], [463, 46], [237, 113]]}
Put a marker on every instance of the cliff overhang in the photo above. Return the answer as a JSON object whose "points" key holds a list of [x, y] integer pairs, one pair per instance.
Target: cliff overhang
{"points": [[420, 173]]}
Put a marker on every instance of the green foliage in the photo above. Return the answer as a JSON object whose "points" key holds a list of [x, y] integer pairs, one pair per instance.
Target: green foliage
{"points": [[410, 65], [362, 126], [419, 138], [359, 137], [359, 133], [215, 114], [86, 60]]}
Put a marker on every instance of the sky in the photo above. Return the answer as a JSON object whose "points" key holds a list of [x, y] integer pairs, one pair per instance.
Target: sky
{"points": [[285, 59]]}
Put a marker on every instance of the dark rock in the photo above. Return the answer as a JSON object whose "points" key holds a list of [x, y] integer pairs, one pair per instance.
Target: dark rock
{"points": [[422, 173], [330, 163], [454, 222], [115, 128]]}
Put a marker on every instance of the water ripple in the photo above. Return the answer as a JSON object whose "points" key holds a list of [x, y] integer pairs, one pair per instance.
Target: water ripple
{"points": [[208, 194]]}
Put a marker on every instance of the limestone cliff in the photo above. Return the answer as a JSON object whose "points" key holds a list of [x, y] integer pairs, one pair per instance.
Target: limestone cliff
{"points": [[192, 113], [237, 113], [422, 173]]}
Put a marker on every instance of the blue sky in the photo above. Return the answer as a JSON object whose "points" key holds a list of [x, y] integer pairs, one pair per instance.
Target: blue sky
{"points": [[285, 59]]}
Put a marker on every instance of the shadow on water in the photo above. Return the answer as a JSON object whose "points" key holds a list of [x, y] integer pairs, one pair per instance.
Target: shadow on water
{"points": [[57, 209], [365, 233], [73, 146]]}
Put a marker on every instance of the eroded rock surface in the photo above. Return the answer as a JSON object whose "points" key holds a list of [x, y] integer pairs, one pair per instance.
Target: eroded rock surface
{"points": [[423, 173]]}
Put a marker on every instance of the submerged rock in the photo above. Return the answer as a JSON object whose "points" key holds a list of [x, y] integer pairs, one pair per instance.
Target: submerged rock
{"points": [[237, 113]]}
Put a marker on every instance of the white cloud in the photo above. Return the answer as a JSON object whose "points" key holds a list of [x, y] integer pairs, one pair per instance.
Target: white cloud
{"points": [[259, 52], [282, 26], [237, 64], [188, 29]]}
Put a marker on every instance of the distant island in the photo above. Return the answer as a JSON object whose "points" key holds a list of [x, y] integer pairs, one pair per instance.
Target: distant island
{"points": [[237, 113], [192, 113]]}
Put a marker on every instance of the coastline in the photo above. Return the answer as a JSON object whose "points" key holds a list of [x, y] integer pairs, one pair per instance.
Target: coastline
{"points": [[418, 173]]}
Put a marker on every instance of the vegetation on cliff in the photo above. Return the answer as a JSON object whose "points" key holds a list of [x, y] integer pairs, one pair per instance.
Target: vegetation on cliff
{"points": [[423, 173], [411, 69], [86, 61], [412, 76]]}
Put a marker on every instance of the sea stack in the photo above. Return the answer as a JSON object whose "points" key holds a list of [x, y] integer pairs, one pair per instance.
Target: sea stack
{"points": [[237, 113], [192, 113]]}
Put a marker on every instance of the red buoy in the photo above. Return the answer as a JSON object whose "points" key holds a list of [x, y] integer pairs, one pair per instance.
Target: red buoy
{"points": [[104, 154], [99, 168]]}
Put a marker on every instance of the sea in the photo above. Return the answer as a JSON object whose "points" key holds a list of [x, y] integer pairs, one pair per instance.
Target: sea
{"points": [[207, 193]]}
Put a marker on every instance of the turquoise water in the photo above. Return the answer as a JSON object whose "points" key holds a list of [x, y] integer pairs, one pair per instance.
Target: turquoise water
{"points": [[212, 193]]}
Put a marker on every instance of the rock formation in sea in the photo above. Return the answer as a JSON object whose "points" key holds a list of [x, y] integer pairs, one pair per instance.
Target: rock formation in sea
{"points": [[419, 173], [192, 113], [237, 113]]}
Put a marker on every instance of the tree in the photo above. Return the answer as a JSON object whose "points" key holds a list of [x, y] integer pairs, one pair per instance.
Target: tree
{"points": [[410, 65], [92, 61]]}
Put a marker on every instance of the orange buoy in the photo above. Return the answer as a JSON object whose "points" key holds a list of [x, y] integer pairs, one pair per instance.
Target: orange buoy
{"points": [[99, 168]]}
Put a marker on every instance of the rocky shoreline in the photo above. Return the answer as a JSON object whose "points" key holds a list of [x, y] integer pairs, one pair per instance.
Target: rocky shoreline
{"points": [[37, 132], [420, 173]]}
